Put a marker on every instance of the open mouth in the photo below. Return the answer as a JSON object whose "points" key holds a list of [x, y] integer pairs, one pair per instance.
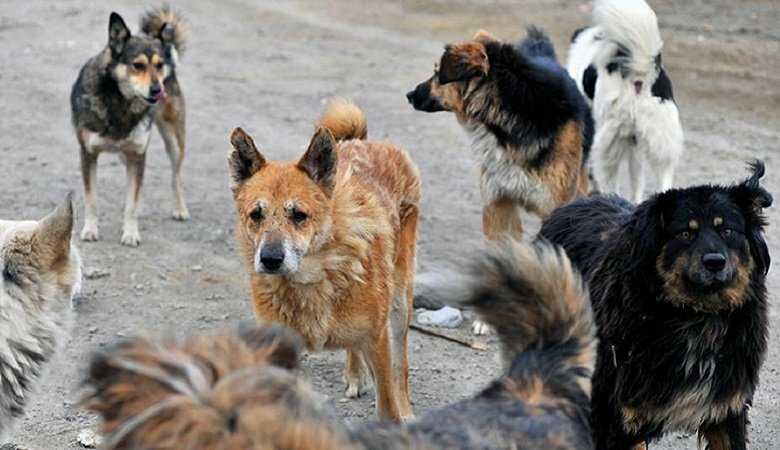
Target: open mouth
{"points": [[638, 87]]}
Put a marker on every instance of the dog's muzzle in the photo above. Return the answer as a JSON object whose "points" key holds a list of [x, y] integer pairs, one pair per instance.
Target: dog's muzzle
{"points": [[420, 98]]}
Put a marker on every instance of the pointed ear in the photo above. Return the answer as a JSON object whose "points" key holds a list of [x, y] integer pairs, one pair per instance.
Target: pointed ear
{"points": [[52, 237], [464, 61], [118, 34], [319, 161], [244, 160], [277, 344]]}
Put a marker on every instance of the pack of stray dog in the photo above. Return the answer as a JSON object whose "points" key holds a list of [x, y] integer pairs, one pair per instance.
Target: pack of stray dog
{"points": [[620, 322]]}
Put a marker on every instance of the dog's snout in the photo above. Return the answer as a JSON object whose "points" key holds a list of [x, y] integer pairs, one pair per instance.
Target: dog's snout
{"points": [[155, 90], [272, 257], [714, 262], [410, 97]]}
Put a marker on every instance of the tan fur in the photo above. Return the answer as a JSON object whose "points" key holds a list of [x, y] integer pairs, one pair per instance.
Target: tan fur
{"points": [[502, 218], [344, 120], [562, 175], [353, 289], [152, 23]]}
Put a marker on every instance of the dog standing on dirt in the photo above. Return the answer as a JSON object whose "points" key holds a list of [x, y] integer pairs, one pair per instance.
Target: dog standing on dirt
{"points": [[41, 275], [330, 244], [237, 390], [528, 123], [617, 64], [679, 295], [117, 96]]}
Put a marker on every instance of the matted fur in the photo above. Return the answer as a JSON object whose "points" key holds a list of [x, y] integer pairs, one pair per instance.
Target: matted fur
{"points": [[41, 273], [233, 391], [342, 225], [662, 315]]}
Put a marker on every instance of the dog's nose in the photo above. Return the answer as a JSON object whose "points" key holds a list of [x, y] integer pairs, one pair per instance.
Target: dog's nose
{"points": [[410, 97], [155, 90], [272, 257], [714, 262]]}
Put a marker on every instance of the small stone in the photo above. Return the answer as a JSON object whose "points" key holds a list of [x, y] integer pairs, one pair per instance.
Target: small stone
{"points": [[93, 273], [88, 439], [197, 268], [447, 317]]}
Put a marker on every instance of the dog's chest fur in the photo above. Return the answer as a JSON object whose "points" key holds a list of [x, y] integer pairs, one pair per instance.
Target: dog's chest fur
{"points": [[29, 336], [503, 170]]}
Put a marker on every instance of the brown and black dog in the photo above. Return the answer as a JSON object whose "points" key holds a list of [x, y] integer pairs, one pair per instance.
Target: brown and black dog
{"points": [[236, 390], [330, 242], [528, 123]]}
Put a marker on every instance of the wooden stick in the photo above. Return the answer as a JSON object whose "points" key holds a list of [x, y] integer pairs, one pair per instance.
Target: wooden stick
{"points": [[474, 345]]}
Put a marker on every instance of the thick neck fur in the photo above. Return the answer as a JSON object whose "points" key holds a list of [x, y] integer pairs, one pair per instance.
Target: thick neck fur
{"points": [[98, 104]]}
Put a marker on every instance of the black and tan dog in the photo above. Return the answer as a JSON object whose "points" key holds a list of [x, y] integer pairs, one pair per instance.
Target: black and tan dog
{"points": [[678, 290], [117, 96], [236, 390], [528, 123]]}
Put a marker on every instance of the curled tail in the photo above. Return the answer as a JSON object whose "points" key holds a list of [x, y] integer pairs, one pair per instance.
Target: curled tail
{"points": [[166, 25], [537, 43], [344, 120], [540, 309]]}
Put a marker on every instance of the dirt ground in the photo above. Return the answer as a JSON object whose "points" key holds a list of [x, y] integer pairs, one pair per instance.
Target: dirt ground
{"points": [[269, 66]]}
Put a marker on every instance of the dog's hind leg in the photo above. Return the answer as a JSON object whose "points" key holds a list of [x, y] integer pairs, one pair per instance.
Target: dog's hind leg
{"points": [[607, 156], [356, 374], [134, 163], [170, 122], [636, 174], [379, 356], [501, 219], [89, 176]]}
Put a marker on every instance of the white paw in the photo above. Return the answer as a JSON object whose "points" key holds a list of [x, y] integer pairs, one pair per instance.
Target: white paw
{"points": [[130, 238], [90, 232], [357, 387], [480, 328], [181, 214]]}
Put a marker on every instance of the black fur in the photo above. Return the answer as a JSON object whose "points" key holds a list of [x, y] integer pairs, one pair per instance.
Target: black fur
{"points": [[589, 78], [645, 341], [576, 34], [662, 88], [538, 91]]}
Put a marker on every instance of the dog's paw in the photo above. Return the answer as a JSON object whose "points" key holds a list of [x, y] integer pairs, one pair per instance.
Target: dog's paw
{"points": [[90, 233], [357, 387], [181, 214], [131, 238], [480, 328]]}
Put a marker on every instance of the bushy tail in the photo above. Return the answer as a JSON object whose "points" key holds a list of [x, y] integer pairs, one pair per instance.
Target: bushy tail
{"points": [[537, 43], [344, 120], [166, 25], [536, 302]]}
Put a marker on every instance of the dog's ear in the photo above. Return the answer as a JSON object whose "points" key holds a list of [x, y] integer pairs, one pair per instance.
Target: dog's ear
{"points": [[319, 161], [244, 160], [52, 237], [752, 198], [464, 61], [277, 344], [484, 37], [118, 34], [648, 227]]}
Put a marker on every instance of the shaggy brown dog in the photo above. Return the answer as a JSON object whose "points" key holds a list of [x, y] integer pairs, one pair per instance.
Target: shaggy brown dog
{"points": [[330, 245], [236, 391]]}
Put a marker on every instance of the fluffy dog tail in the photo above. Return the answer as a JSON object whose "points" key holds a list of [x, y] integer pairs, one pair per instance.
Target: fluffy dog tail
{"points": [[344, 120], [631, 24], [537, 44], [540, 309], [167, 25]]}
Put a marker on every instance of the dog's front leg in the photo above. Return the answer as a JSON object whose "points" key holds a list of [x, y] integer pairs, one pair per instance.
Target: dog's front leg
{"points": [[731, 434], [89, 176], [389, 401], [134, 163]]}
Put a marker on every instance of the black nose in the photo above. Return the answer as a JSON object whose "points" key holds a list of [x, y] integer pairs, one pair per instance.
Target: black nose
{"points": [[410, 97], [155, 90], [272, 257], [714, 262]]}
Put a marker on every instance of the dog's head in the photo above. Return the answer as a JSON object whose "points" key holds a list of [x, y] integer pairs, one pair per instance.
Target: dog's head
{"points": [[284, 209], [706, 242], [205, 392], [461, 68], [139, 64], [40, 266]]}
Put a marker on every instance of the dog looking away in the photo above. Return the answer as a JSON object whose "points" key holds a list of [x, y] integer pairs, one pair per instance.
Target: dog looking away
{"points": [[329, 242], [617, 64], [678, 285], [239, 390], [118, 94], [41, 275]]}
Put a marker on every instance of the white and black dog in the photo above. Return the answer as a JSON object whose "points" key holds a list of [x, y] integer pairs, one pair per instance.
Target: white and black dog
{"points": [[617, 65]]}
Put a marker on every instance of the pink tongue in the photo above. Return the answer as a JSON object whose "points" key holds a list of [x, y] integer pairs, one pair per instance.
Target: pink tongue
{"points": [[161, 95]]}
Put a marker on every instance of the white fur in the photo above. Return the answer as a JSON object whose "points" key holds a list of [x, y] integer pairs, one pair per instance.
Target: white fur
{"points": [[633, 128]]}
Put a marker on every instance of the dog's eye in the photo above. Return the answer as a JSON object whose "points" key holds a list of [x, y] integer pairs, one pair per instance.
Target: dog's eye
{"points": [[9, 275], [139, 66], [299, 216], [685, 235], [726, 232], [159, 66], [257, 214]]}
